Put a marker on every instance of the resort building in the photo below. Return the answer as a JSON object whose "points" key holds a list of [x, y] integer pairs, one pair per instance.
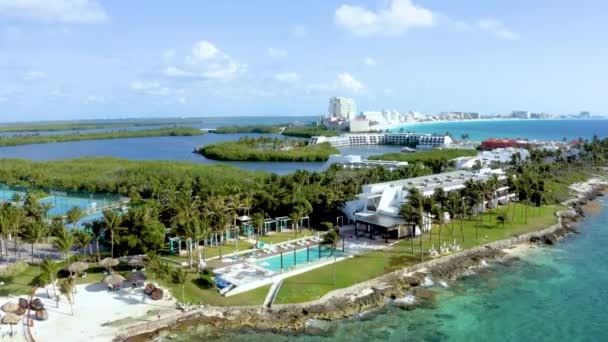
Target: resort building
{"points": [[421, 141], [356, 162], [520, 114], [458, 116], [493, 157], [342, 107], [376, 209]]}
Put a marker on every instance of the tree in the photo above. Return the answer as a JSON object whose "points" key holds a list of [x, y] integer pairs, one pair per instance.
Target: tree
{"points": [[67, 289], [258, 220], [50, 269], [439, 219], [83, 239], [179, 277], [112, 223], [64, 242], [34, 232], [74, 215], [413, 216], [331, 240], [453, 208]]}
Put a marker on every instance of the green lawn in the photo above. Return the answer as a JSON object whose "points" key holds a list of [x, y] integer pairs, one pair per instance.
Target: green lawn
{"points": [[314, 284]]}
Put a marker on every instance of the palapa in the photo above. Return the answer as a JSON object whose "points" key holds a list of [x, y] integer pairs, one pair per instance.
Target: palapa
{"points": [[10, 307], [78, 267], [108, 262], [113, 279], [10, 318]]}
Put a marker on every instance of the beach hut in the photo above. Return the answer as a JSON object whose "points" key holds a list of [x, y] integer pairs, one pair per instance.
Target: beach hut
{"points": [[136, 278], [10, 307], [135, 260]]}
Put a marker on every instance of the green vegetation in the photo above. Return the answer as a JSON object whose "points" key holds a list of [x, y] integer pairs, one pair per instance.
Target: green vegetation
{"points": [[291, 131], [307, 132], [78, 126], [45, 139], [314, 284], [426, 156], [249, 129], [268, 149]]}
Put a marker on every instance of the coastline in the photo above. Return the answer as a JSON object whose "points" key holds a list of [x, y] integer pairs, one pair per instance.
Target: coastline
{"points": [[375, 293]]}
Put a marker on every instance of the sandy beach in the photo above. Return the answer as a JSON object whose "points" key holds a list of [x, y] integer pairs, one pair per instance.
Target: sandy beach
{"points": [[98, 315]]}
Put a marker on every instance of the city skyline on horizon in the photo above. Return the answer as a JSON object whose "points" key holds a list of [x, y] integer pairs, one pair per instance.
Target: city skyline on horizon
{"points": [[110, 60]]}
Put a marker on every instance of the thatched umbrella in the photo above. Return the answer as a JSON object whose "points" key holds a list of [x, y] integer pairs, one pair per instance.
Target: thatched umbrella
{"points": [[11, 319], [10, 307], [113, 279], [108, 262], [136, 276], [78, 267]]}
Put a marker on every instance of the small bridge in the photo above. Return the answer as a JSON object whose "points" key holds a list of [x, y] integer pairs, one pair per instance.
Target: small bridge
{"points": [[208, 130]]}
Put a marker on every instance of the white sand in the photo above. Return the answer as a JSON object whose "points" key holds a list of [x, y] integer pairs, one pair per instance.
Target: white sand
{"points": [[99, 315]]}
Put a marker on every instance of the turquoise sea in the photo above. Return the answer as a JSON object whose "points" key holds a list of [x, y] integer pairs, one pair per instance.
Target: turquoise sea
{"points": [[531, 129], [555, 293]]}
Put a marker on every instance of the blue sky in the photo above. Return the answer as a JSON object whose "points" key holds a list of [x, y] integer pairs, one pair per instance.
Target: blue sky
{"points": [[70, 59]]}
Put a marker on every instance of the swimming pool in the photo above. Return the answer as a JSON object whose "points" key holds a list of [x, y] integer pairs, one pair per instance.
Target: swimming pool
{"points": [[62, 204], [302, 256], [7, 195]]}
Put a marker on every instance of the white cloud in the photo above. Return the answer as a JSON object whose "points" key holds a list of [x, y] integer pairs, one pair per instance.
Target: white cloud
{"points": [[206, 61], [277, 53], [63, 11], [299, 31], [168, 55], [347, 81], [34, 75], [150, 88], [369, 61], [497, 28], [289, 77], [397, 18]]}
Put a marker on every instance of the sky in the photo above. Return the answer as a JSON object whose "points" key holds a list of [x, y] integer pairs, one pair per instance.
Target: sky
{"points": [[77, 59]]}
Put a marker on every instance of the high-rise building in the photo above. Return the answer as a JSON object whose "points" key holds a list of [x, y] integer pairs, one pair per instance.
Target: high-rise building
{"points": [[584, 115], [520, 114], [341, 107]]}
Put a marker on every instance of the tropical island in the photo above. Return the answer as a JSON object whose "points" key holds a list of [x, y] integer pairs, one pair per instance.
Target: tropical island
{"points": [[267, 149], [191, 226], [287, 130], [45, 139]]}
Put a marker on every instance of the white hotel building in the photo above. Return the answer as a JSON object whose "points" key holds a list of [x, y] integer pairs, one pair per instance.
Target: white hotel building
{"points": [[422, 141], [376, 209]]}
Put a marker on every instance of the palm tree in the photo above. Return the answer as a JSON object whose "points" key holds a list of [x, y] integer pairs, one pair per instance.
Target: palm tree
{"points": [[412, 216], [112, 222], [439, 219], [50, 269], [258, 220], [35, 231], [218, 212], [179, 277], [453, 208], [331, 239], [83, 239], [64, 241], [74, 215], [67, 289]]}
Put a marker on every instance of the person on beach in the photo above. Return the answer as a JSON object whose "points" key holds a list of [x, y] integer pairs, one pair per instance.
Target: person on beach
{"points": [[158, 315]]}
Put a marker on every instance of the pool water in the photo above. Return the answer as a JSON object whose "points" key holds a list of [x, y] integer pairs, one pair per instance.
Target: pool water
{"points": [[62, 204], [302, 257]]}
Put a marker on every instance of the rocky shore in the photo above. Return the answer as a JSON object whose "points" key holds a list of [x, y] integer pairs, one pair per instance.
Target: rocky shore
{"points": [[375, 293]]}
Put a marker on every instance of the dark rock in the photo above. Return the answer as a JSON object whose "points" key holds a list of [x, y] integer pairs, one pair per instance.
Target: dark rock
{"points": [[24, 303]]}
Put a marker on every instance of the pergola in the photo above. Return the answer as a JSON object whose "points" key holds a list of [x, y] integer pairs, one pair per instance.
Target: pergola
{"points": [[282, 223], [268, 225], [175, 244]]}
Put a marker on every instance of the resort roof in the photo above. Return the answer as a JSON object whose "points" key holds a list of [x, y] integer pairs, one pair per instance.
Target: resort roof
{"points": [[382, 220]]}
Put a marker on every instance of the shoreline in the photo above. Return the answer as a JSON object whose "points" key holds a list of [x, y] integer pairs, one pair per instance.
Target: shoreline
{"points": [[374, 293]]}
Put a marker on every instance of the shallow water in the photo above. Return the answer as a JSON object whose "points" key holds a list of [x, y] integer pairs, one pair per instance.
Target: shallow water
{"points": [[551, 294]]}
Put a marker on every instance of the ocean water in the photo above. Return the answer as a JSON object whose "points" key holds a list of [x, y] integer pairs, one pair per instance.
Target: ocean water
{"points": [[551, 294], [531, 129]]}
